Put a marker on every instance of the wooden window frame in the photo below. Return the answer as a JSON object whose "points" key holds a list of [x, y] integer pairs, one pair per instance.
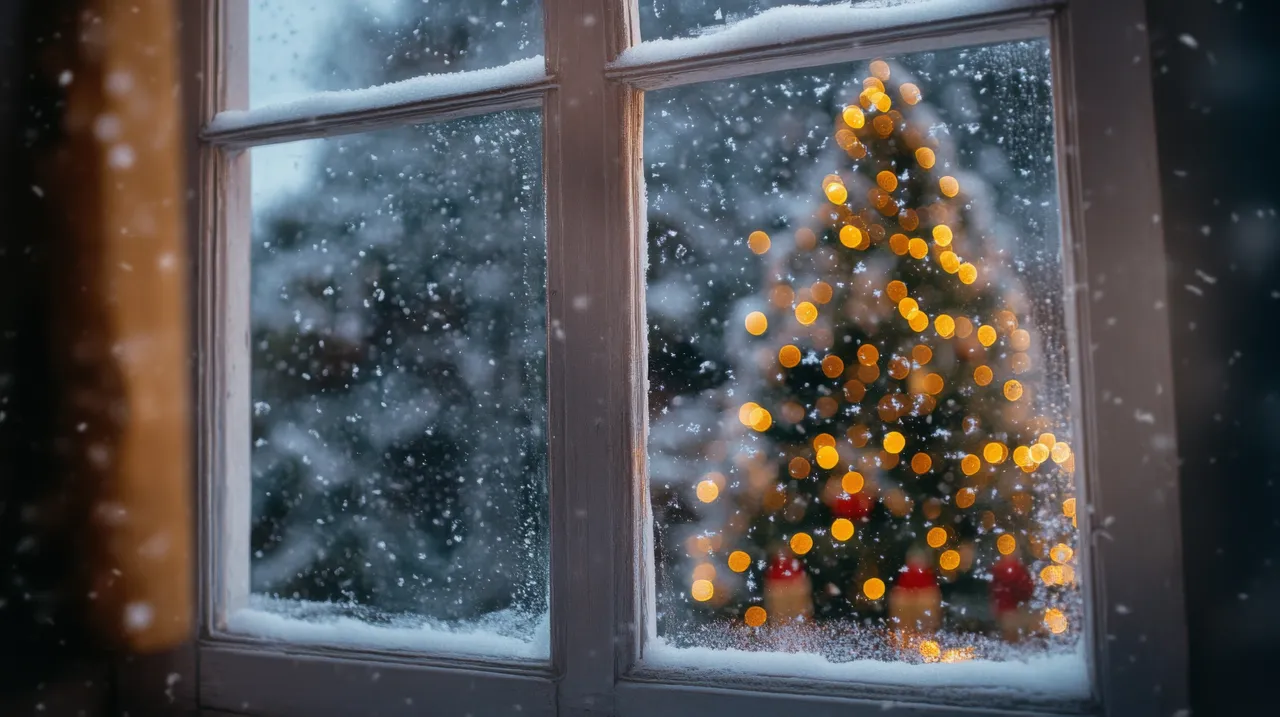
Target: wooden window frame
{"points": [[600, 523]]}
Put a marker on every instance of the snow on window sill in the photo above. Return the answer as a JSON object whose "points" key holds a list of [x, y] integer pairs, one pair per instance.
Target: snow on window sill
{"points": [[415, 89], [1062, 675], [792, 23], [302, 623]]}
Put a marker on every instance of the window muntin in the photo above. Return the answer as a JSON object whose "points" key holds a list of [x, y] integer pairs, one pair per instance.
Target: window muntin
{"points": [[398, 345], [753, 517], [682, 18], [299, 47]]}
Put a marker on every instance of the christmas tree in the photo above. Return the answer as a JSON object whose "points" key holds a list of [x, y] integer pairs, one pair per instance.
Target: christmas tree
{"points": [[892, 464]]}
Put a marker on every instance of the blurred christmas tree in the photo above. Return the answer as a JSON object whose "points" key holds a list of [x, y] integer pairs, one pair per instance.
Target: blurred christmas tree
{"points": [[895, 448]]}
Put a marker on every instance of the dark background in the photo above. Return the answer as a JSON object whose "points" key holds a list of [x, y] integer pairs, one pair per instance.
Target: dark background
{"points": [[1216, 105]]}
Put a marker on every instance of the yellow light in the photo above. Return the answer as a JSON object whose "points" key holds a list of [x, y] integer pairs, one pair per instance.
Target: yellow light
{"points": [[832, 366], [702, 590], [949, 186], [758, 242], [789, 356], [1022, 456], [761, 420], [1048, 439], [873, 588], [894, 442], [739, 561], [896, 290], [868, 355], [851, 236], [1051, 575], [910, 93], [806, 313], [707, 491], [907, 307], [949, 261], [827, 458], [798, 467], [925, 157], [995, 453], [755, 616], [987, 335], [968, 273], [854, 117], [930, 651], [918, 322], [836, 193], [744, 413], [964, 327], [824, 440], [933, 384], [883, 103], [801, 543], [921, 463], [918, 248], [970, 464], [1006, 544], [821, 291], [945, 325], [936, 537], [756, 323], [1069, 507], [982, 375], [949, 560], [942, 235], [1055, 620], [1012, 389], [1061, 553], [921, 354], [966, 496], [898, 244], [1060, 452], [880, 69], [887, 181], [873, 83], [1039, 453], [841, 529], [852, 482]]}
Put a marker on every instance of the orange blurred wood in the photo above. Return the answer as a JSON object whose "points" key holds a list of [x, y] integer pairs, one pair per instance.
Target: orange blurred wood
{"points": [[122, 328]]}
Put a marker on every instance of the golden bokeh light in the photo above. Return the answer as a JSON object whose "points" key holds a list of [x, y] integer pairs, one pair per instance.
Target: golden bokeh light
{"points": [[868, 355], [965, 497], [933, 384], [836, 193], [936, 537], [995, 453], [1039, 453], [968, 273], [1051, 575], [986, 335], [907, 307], [1012, 389], [949, 261], [899, 367], [949, 560], [702, 590], [707, 491], [798, 467], [758, 242], [918, 322], [756, 323], [873, 589], [982, 375], [970, 464], [949, 186], [832, 366], [921, 463], [896, 290], [744, 413], [942, 235], [841, 529], [801, 543], [789, 356], [918, 248], [821, 291], [854, 117], [883, 124], [761, 420], [852, 482], [910, 93], [824, 440], [908, 219], [851, 236], [755, 616], [1022, 456], [1069, 507], [925, 157], [854, 390], [739, 561], [964, 327], [921, 354], [1006, 544], [945, 326], [827, 457], [880, 69], [930, 651], [887, 180], [1061, 553], [1055, 620], [898, 244], [806, 313], [1060, 452], [894, 442]]}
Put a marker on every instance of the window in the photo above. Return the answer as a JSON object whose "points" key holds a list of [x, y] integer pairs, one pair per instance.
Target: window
{"points": [[732, 357]]}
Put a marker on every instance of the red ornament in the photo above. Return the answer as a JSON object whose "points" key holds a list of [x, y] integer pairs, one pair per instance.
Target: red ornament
{"points": [[784, 567], [853, 507], [915, 603], [1011, 584], [916, 576]]}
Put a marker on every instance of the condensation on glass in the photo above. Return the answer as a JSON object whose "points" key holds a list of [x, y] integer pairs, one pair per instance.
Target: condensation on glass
{"points": [[298, 47], [398, 343], [682, 18], [861, 442]]}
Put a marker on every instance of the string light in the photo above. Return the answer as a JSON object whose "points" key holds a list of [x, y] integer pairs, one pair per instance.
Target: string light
{"points": [[873, 588], [758, 242]]}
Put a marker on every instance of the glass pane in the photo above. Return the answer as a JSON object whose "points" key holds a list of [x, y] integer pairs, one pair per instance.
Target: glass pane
{"points": [[861, 442], [297, 47], [399, 394], [680, 18]]}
